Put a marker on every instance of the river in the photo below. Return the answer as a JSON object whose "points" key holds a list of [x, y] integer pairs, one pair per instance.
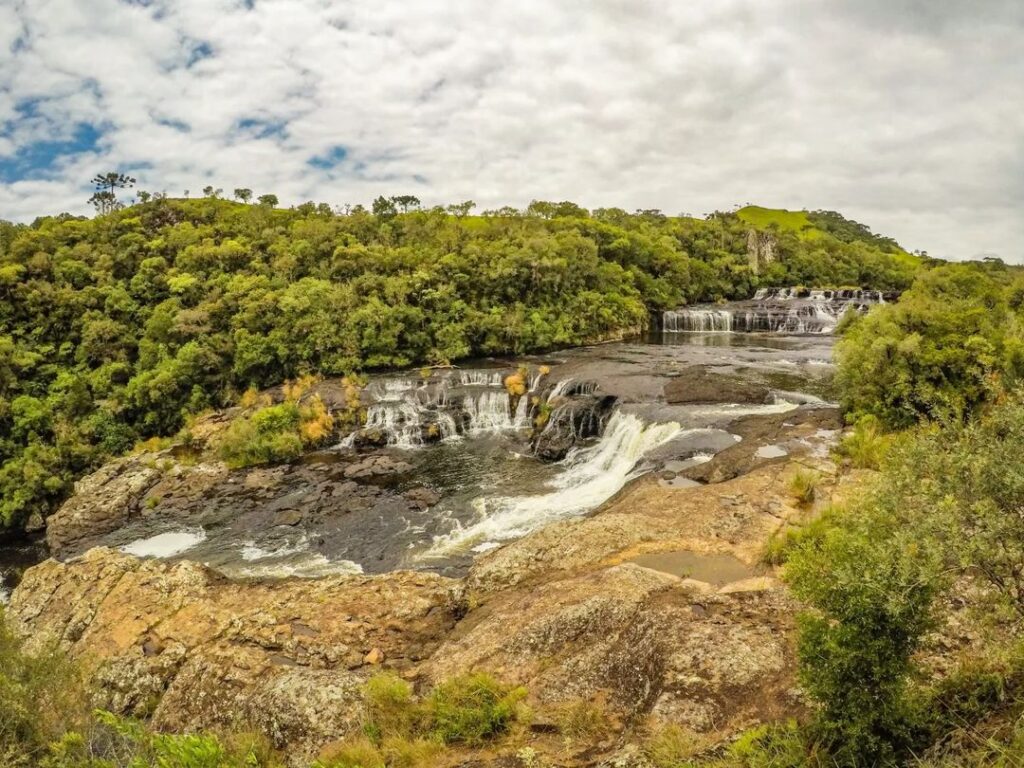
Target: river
{"points": [[459, 474]]}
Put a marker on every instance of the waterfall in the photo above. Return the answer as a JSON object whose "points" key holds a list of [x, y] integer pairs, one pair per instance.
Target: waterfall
{"points": [[399, 419], [698, 321], [590, 477], [774, 310], [570, 386], [481, 378], [490, 411]]}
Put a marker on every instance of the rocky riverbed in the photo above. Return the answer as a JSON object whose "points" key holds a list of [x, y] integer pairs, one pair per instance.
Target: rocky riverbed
{"points": [[623, 567]]}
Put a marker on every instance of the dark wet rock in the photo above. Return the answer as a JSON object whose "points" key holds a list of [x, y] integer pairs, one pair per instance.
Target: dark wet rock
{"points": [[572, 420], [423, 497], [700, 384], [375, 465], [370, 438]]}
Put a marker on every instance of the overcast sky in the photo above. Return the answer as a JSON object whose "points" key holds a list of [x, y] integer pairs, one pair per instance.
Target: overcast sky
{"points": [[907, 115]]}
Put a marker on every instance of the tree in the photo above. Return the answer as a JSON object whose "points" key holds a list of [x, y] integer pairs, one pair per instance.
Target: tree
{"points": [[105, 197], [210, 191], [242, 194], [406, 202], [461, 210], [384, 208], [268, 200]]}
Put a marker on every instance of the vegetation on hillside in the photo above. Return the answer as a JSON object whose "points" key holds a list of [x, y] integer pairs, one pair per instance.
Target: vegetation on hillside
{"points": [[116, 329], [952, 343]]}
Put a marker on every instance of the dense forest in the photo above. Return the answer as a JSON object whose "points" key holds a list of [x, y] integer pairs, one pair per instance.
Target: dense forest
{"points": [[117, 328]]}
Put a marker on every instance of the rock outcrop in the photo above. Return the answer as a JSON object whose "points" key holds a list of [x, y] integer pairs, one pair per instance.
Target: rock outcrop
{"points": [[195, 650], [564, 611], [700, 384], [762, 249]]}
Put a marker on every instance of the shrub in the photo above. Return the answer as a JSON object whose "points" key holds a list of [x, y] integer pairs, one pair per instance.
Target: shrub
{"points": [[947, 348], [771, 746], [786, 539], [356, 754], [41, 697], [276, 433], [391, 709], [472, 709], [867, 445], [584, 719], [673, 746], [804, 486]]}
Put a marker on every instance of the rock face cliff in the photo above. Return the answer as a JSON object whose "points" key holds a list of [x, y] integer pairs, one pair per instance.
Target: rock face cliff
{"points": [[629, 605], [762, 249]]}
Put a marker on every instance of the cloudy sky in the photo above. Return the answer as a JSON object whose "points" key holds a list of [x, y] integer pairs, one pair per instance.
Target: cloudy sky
{"points": [[907, 115]]}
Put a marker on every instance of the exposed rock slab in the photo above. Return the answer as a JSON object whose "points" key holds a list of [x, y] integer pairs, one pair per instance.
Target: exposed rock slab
{"points": [[701, 384], [287, 657]]}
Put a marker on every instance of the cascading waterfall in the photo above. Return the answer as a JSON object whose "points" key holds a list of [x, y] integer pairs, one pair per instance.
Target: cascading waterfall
{"points": [[490, 411], [481, 378], [774, 310], [407, 411], [591, 476], [399, 419], [698, 321]]}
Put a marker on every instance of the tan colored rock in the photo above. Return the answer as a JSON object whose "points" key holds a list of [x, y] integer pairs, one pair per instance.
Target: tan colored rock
{"points": [[563, 611], [211, 652]]}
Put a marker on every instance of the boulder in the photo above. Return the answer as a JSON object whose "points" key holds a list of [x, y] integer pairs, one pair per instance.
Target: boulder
{"points": [[700, 384]]}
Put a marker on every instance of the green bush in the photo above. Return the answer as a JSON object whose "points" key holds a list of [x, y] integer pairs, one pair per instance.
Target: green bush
{"points": [[866, 445], [41, 697], [804, 486], [472, 709], [949, 346]]}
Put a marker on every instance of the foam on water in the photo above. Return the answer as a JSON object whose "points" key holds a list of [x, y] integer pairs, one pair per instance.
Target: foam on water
{"points": [[166, 544], [307, 566], [590, 477]]}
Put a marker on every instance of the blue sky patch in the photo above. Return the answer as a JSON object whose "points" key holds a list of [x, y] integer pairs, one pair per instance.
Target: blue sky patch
{"points": [[329, 159], [259, 128], [39, 158], [200, 51]]}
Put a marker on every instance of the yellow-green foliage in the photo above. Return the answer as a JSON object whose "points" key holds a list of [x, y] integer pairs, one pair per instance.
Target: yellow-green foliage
{"points": [[281, 432], [792, 221], [472, 709], [786, 539], [115, 742], [391, 708], [866, 445], [585, 720], [403, 730], [804, 485], [673, 746], [41, 697]]}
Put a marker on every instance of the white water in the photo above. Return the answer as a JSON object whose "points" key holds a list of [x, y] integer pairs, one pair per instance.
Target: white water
{"points": [[399, 419], [165, 544], [306, 566], [590, 477], [490, 411], [774, 310], [481, 378]]}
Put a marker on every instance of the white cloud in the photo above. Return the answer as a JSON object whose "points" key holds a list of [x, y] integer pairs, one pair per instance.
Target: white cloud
{"points": [[903, 115]]}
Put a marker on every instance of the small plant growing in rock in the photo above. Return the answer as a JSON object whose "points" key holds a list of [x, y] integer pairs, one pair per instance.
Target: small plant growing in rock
{"points": [[472, 709], [867, 445], [804, 486]]}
